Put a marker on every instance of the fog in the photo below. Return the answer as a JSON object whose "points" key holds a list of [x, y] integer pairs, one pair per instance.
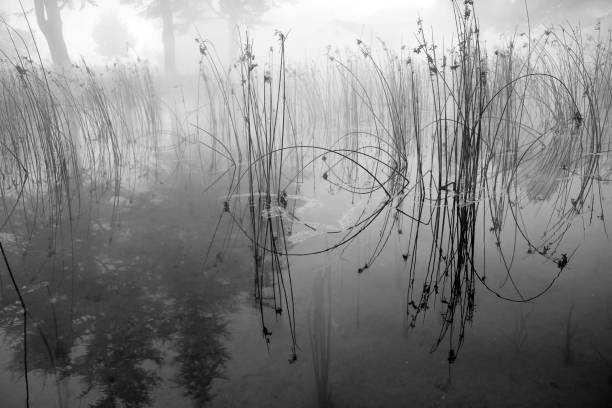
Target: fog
{"points": [[305, 203], [105, 31]]}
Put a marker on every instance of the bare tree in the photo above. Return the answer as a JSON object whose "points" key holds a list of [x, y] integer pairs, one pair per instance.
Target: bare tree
{"points": [[180, 14], [49, 18]]}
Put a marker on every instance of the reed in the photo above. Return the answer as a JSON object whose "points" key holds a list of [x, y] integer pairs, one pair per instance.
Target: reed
{"points": [[67, 140], [63, 134], [435, 141], [260, 120]]}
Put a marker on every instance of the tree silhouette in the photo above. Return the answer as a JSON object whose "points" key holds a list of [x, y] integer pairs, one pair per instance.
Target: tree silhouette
{"points": [[49, 18], [174, 15], [181, 14], [247, 12], [242, 11]]}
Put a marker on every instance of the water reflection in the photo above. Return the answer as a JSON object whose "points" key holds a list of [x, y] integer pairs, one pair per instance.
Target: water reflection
{"points": [[113, 315], [436, 176]]}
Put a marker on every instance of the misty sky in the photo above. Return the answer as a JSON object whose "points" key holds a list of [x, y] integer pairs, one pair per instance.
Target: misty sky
{"points": [[313, 24]]}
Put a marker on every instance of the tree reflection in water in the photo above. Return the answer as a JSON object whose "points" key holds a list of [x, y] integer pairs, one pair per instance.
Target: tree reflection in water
{"points": [[130, 317]]}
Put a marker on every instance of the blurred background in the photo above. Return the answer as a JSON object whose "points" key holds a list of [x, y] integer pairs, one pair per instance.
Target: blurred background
{"points": [[104, 31]]}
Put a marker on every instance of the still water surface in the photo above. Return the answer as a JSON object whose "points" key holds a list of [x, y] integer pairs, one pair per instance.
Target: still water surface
{"points": [[125, 312]]}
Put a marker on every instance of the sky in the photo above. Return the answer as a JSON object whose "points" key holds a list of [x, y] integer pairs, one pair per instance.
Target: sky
{"points": [[311, 24]]}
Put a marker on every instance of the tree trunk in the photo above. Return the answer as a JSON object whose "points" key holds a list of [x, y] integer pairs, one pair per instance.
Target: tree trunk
{"points": [[168, 38], [50, 23]]}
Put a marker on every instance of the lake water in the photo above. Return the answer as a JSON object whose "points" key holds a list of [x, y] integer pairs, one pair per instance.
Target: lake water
{"points": [[127, 310]]}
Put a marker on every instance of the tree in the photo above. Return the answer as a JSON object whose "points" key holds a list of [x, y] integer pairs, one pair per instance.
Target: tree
{"points": [[174, 14], [180, 14], [248, 12], [236, 12], [50, 22], [242, 11], [48, 16]]}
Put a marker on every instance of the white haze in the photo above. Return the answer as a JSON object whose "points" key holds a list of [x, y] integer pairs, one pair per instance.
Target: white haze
{"points": [[312, 25]]}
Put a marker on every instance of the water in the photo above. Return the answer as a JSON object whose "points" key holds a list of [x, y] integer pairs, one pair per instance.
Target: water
{"points": [[514, 354], [165, 282], [128, 311]]}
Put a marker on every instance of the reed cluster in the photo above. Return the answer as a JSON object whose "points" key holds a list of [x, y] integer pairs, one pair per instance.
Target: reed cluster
{"points": [[441, 143]]}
